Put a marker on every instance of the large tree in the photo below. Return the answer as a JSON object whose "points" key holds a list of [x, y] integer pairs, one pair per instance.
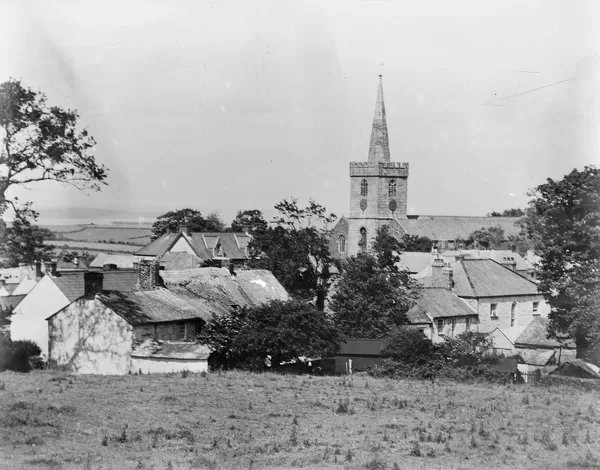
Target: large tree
{"points": [[488, 238], [564, 221], [23, 242], [40, 142], [250, 220], [515, 212], [193, 219], [281, 331], [296, 249], [373, 295]]}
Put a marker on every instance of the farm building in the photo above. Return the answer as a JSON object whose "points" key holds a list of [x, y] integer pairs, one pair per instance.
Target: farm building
{"points": [[119, 261], [152, 328]]}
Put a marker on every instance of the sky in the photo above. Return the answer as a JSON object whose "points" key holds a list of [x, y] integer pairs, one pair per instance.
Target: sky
{"points": [[236, 105]]}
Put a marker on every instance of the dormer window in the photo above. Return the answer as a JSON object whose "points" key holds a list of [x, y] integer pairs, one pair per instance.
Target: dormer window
{"points": [[364, 188]]}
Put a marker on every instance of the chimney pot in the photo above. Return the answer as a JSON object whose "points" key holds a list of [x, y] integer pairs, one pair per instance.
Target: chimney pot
{"points": [[148, 274]]}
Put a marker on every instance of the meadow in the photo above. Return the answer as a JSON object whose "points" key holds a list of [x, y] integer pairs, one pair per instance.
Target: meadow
{"points": [[242, 420], [137, 235]]}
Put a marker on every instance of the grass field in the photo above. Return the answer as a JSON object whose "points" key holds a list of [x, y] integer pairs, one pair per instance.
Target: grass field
{"points": [[242, 420], [107, 233], [92, 246]]}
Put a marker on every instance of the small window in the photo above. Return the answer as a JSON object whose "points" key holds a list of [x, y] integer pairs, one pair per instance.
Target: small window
{"points": [[536, 306], [493, 311], [392, 188], [512, 313], [342, 244], [364, 188], [363, 239], [440, 327], [467, 323], [181, 330]]}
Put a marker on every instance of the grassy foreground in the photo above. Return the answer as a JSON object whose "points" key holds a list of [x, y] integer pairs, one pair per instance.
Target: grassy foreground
{"points": [[243, 420]]}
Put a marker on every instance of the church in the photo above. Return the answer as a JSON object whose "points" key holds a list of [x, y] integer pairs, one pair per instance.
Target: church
{"points": [[379, 194]]}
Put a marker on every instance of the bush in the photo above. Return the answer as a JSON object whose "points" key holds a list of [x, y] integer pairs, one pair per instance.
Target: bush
{"points": [[17, 355], [410, 347]]}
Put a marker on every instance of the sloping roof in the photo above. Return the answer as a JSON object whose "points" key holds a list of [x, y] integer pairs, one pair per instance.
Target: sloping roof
{"points": [[361, 347], [455, 227], [496, 255], [202, 243], [417, 315], [24, 287], [71, 284], [178, 261], [414, 262], [487, 278], [124, 280], [9, 302], [535, 334], [62, 265], [577, 368], [153, 349], [535, 357], [121, 261], [151, 306], [440, 303]]}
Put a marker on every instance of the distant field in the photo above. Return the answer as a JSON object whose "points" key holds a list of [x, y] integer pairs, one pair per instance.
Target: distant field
{"points": [[130, 235], [242, 420], [92, 246]]}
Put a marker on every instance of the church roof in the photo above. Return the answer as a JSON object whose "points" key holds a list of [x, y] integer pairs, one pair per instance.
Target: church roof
{"points": [[379, 148], [438, 227]]}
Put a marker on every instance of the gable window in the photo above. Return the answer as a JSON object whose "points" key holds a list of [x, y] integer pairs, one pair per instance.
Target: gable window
{"points": [[493, 310], [536, 306], [467, 323], [440, 327], [392, 188], [364, 188], [342, 244], [512, 313]]}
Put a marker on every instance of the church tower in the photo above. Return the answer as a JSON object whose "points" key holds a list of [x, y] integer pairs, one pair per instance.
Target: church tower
{"points": [[378, 187]]}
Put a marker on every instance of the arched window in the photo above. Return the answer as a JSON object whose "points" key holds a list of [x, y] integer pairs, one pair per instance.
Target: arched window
{"points": [[512, 314], [364, 188], [342, 244], [392, 188], [363, 239]]}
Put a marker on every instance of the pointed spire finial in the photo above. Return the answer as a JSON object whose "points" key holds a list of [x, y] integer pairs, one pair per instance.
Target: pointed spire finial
{"points": [[379, 148]]}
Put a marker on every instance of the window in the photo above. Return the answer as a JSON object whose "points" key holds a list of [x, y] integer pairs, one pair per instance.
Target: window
{"points": [[493, 312], [512, 313], [181, 330], [392, 188], [467, 323], [364, 188], [440, 327], [363, 239], [536, 306], [342, 244]]}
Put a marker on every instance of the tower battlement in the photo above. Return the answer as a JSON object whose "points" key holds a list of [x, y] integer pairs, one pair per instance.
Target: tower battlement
{"points": [[390, 169]]}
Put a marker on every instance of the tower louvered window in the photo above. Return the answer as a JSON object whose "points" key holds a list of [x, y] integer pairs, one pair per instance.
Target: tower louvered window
{"points": [[392, 188], [364, 188]]}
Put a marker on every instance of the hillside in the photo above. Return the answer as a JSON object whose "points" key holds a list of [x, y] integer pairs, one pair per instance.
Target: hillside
{"points": [[242, 420]]}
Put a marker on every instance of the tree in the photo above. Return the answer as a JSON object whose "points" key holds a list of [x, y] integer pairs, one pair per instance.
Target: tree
{"points": [[508, 213], [42, 143], [296, 250], [409, 346], [386, 248], [488, 238], [250, 220], [372, 295], [193, 219], [23, 242], [563, 221], [416, 243], [281, 331]]}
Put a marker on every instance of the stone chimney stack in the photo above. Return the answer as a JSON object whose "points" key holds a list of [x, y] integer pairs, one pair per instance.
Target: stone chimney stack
{"points": [[92, 283], [51, 267], [38, 270], [148, 272], [184, 228], [441, 274], [509, 262]]}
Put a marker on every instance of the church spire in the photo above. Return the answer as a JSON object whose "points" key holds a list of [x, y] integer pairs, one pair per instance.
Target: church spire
{"points": [[379, 149]]}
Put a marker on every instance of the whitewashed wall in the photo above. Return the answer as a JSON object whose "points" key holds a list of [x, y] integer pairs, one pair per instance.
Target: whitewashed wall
{"points": [[89, 338], [165, 366], [28, 321]]}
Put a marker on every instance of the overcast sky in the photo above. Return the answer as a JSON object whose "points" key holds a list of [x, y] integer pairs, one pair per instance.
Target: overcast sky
{"points": [[238, 104]]}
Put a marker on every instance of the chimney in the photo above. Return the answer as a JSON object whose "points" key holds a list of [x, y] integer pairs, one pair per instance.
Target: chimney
{"points": [[50, 267], [441, 274], [92, 282], [148, 274], [509, 262], [183, 228], [38, 269], [514, 248]]}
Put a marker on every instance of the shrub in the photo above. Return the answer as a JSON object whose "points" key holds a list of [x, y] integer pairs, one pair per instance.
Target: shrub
{"points": [[409, 346], [17, 355]]}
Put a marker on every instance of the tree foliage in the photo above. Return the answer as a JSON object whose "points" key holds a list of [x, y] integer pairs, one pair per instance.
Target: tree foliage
{"points": [[40, 142], [488, 238], [564, 221], [296, 249], [281, 331], [416, 243], [372, 296], [23, 242], [508, 213], [193, 219], [251, 220]]}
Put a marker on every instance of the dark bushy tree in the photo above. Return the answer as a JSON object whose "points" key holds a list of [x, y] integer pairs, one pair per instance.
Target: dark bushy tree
{"points": [[251, 220], [409, 346], [17, 355], [508, 213], [193, 219], [23, 242], [488, 238], [416, 243], [283, 331], [563, 222]]}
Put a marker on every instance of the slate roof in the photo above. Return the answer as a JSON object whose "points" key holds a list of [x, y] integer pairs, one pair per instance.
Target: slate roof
{"points": [[153, 349], [121, 261], [177, 261], [440, 303], [151, 306], [202, 243], [535, 357], [487, 278], [496, 255], [455, 227], [9, 302], [417, 315], [536, 334], [72, 284]]}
